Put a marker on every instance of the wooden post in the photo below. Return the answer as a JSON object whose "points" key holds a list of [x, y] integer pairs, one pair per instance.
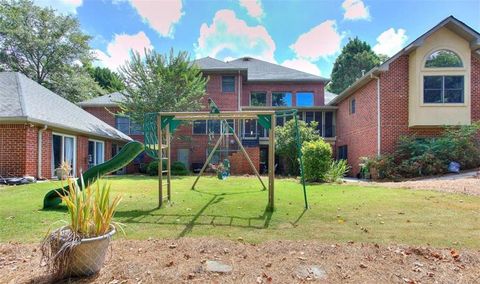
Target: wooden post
{"points": [[168, 138], [160, 158], [271, 163], [207, 161]]}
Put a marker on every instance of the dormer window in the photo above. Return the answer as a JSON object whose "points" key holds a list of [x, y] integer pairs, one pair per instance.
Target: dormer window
{"points": [[443, 59]]}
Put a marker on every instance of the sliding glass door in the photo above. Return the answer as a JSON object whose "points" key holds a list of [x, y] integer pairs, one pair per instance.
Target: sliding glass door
{"points": [[63, 150]]}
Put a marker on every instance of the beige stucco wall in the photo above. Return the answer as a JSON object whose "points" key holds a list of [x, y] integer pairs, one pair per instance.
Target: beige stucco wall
{"points": [[421, 114]]}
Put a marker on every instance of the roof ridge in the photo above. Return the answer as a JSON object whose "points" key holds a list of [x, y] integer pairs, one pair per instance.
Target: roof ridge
{"points": [[21, 96]]}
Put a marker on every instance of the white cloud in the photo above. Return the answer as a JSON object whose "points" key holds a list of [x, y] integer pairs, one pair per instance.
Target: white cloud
{"points": [[118, 50], [390, 41], [228, 37], [62, 6], [355, 10], [321, 41], [302, 65], [160, 15], [254, 8]]}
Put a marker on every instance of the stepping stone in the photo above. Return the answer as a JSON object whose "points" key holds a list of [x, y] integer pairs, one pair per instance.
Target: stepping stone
{"points": [[311, 272], [218, 267]]}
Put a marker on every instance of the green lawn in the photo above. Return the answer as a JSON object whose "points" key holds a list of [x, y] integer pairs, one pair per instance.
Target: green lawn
{"points": [[236, 208]]}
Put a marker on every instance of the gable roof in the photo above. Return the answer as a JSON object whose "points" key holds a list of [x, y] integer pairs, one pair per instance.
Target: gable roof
{"points": [[450, 22], [24, 100], [258, 70], [108, 100]]}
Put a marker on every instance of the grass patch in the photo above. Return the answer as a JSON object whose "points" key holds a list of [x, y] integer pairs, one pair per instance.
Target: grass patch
{"points": [[236, 208]]}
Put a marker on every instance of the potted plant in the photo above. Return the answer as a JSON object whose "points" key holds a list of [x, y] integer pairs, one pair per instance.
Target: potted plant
{"points": [[79, 248]]}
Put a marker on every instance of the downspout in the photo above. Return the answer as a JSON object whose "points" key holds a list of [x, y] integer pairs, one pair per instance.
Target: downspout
{"points": [[39, 151], [239, 90], [379, 128]]}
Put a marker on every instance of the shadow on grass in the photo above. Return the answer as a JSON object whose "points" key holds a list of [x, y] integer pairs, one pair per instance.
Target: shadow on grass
{"points": [[199, 218]]}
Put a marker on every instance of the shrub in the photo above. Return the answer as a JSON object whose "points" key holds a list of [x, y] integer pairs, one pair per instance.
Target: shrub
{"points": [[177, 168], [286, 143], [338, 169], [317, 158], [152, 168], [416, 157]]}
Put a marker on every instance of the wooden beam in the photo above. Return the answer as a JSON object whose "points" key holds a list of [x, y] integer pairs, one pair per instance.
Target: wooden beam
{"points": [[168, 138], [220, 116], [207, 161], [271, 164], [160, 158]]}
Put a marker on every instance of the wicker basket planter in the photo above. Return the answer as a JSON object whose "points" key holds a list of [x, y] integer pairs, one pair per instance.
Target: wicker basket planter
{"points": [[87, 256]]}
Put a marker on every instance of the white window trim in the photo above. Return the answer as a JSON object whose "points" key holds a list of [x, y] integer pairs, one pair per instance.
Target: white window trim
{"points": [[302, 93], [257, 92], [74, 170], [422, 84], [281, 92], [256, 131], [95, 161]]}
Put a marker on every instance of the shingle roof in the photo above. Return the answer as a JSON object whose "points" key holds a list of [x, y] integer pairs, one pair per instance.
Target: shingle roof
{"points": [[105, 100], [22, 99], [258, 70]]}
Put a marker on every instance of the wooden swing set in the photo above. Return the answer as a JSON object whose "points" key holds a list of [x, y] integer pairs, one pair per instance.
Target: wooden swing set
{"points": [[167, 122]]}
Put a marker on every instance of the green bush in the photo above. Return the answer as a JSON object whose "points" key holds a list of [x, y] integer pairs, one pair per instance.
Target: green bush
{"points": [[338, 169], [317, 158], [177, 168], [415, 157]]}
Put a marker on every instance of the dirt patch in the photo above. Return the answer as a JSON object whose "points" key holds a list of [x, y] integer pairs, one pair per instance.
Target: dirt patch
{"points": [[466, 185], [184, 260]]}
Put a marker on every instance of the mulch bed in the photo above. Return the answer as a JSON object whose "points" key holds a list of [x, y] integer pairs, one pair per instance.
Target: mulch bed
{"points": [[184, 260]]}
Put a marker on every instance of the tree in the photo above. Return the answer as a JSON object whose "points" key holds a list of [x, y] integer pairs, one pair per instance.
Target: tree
{"points": [[286, 143], [106, 78], [356, 56], [161, 83], [43, 46]]}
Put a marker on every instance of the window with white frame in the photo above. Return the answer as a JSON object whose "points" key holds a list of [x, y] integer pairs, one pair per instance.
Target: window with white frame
{"points": [[64, 149], [250, 128], [258, 99], [228, 84], [210, 126], [96, 152], [281, 99], [127, 126], [305, 99]]}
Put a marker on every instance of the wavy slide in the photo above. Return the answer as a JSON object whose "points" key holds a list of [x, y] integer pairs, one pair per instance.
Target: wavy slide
{"points": [[123, 158]]}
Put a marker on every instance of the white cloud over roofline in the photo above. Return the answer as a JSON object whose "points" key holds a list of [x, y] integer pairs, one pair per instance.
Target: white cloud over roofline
{"points": [[230, 37], [390, 41]]}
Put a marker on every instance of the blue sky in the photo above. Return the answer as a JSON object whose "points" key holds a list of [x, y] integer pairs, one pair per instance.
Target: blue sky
{"points": [[306, 35]]}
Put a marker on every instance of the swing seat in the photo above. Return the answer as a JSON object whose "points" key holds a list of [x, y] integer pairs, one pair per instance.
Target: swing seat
{"points": [[222, 175]]}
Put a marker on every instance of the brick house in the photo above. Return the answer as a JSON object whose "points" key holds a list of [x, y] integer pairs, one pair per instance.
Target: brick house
{"points": [[242, 84], [39, 130], [432, 82]]}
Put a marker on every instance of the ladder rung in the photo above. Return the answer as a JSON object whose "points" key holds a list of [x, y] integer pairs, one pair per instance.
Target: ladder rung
{"points": [[164, 172], [164, 158], [164, 146]]}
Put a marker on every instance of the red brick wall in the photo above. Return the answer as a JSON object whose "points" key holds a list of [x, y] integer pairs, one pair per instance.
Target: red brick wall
{"points": [[358, 130], [82, 154], [475, 87], [225, 101], [239, 164], [316, 88], [12, 149], [103, 113], [19, 150]]}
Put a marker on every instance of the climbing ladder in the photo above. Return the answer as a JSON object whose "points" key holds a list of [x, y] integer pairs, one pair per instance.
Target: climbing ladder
{"points": [[162, 153]]}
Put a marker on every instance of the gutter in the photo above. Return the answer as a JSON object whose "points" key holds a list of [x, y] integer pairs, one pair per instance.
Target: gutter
{"points": [[379, 128], [39, 151]]}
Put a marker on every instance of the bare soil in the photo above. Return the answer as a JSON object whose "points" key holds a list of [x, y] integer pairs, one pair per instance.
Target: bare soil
{"points": [[183, 260], [464, 185]]}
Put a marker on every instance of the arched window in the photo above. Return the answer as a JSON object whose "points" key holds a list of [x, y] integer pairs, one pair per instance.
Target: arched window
{"points": [[443, 59]]}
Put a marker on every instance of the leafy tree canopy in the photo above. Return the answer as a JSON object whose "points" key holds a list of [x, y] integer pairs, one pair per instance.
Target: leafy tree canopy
{"points": [[45, 47], [356, 56], [106, 78], [159, 82]]}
